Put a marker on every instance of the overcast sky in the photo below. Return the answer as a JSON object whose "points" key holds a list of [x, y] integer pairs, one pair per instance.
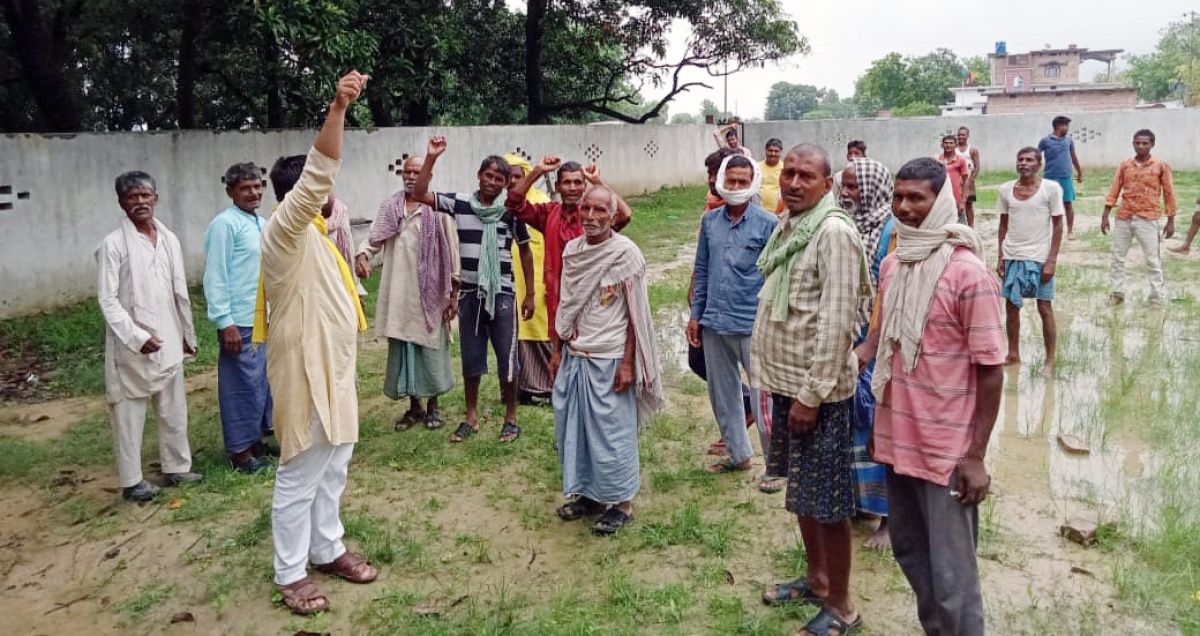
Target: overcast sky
{"points": [[847, 36]]}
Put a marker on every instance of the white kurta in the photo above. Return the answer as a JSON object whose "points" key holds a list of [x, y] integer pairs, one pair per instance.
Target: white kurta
{"points": [[142, 291]]}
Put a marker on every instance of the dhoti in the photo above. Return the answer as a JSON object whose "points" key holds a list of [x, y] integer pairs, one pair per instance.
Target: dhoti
{"points": [[597, 431]]}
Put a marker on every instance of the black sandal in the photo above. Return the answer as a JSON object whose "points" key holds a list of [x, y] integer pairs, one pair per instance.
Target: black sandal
{"points": [[826, 620], [509, 432], [578, 508], [783, 593], [611, 521], [463, 432], [434, 420], [409, 420]]}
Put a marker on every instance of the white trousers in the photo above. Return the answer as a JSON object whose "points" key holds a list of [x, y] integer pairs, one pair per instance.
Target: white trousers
{"points": [[129, 420], [305, 522], [1149, 237]]}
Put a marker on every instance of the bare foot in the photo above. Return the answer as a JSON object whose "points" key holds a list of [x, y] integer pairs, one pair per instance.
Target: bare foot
{"points": [[879, 540], [1048, 369], [1012, 359], [1183, 250], [1071, 235]]}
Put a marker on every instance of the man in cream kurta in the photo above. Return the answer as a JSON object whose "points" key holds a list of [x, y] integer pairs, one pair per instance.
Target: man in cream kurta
{"points": [[142, 291], [311, 354], [421, 273]]}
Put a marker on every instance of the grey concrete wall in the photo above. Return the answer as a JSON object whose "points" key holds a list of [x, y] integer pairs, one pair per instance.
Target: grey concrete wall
{"points": [[1102, 139], [57, 200]]}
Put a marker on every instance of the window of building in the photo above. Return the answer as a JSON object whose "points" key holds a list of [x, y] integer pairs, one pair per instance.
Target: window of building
{"points": [[1053, 69]]}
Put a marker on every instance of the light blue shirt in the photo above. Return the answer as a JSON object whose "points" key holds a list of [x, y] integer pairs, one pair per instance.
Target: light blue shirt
{"points": [[232, 256], [725, 292]]}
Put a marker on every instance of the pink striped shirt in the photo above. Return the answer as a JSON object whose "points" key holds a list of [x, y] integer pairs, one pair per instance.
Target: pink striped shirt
{"points": [[924, 422]]}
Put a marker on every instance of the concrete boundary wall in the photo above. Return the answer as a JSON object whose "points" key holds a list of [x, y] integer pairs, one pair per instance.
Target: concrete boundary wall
{"points": [[57, 200], [1102, 139]]}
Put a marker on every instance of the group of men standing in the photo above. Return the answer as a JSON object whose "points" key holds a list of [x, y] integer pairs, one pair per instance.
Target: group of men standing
{"points": [[858, 308]]}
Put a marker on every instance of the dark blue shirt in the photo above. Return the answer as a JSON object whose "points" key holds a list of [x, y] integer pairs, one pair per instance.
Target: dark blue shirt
{"points": [[725, 296], [1057, 152]]}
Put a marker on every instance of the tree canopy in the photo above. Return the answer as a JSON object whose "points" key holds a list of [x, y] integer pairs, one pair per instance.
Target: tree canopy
{"points": [[794, 101], [1169, 67], [895, 81], [166, 64]]}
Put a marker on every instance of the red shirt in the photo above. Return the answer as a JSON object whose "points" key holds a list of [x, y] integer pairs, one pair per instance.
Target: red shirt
{"points": [[549, 219], [957, 171]]}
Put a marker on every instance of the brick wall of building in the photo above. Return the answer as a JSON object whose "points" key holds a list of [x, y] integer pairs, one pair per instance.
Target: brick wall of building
{"points": [[1120, 99]]}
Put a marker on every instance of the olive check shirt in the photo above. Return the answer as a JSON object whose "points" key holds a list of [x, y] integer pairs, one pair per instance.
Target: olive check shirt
{"points": [[809, 356]]}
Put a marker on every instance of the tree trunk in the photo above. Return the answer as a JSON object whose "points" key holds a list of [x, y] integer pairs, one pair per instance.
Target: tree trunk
{"points": [[535, 30], [416, 111], [381, 108], [270, 58], [185, 86], [38, 51]]}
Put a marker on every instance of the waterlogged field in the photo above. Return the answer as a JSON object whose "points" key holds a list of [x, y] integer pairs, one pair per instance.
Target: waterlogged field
{"points": [[466, 536]]}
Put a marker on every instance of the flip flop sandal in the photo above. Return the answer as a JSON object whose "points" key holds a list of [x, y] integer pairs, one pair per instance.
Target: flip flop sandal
{"points": [[409, 420], [826, 620], [578, 509], [434, 420], [771, 485], [462, 433], [509, 432], [610, 522], [783, 594], [350, 567], [303, 597]]}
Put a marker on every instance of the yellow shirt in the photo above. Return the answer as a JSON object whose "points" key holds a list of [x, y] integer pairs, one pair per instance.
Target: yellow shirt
{"points": [[313, 337], [769, 190], [537, 328]]}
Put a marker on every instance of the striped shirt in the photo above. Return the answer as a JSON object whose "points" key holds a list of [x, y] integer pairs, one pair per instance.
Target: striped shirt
{"points": [[808, 356], [924, 423], [470, 239]]}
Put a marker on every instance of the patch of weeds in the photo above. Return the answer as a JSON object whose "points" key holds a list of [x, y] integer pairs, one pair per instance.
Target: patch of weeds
{"points": [[250, 535], [474, 547], [728, 615], [792, 560], [659, 604], [435, 504], [20, 457], [687, 526], [136, 607]]}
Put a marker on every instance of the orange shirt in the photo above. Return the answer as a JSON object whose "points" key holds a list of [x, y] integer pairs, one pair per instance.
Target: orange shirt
{"points": [[1139, 184]]}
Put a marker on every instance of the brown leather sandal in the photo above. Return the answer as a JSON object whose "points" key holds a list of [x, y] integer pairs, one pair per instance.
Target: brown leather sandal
{"points": [[351, 567], [303, 597]]}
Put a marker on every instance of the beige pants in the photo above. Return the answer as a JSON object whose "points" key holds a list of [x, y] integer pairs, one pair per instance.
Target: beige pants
{"points": [[1149, 237], [129, 419]]}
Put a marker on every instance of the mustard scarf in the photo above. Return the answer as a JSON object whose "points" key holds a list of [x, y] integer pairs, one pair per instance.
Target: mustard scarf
{"points": [[260, 304]]}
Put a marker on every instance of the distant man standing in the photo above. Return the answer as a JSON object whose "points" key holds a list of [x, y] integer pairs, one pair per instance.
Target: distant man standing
{"points": [[956, 172], [727, 137], [770, 167], [1058, 154], [724, 302], [534, 349], [938, 379], [1140, 183], [232, 256], [416, 298], [142, 291], [856, 148], [1031, 229], [801, 352], [971, 155], [313, 326], [610, 380]]}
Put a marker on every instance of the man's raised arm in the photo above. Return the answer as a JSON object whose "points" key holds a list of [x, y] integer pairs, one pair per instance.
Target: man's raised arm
{"points": [[436, 147]]}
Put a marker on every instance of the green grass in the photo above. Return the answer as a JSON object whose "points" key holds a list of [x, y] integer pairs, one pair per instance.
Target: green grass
{"points": [[473, 522]]}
